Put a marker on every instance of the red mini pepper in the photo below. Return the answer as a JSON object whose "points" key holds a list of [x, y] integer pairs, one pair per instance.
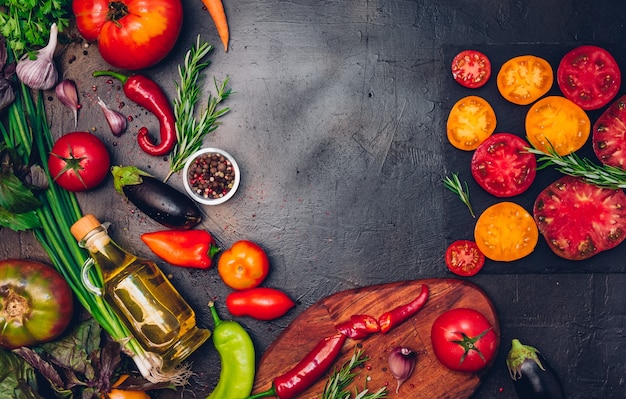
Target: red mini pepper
{"points": [[308, 371], [398, 315], [145, 92], [188, 248], [261, 303], [359, 326]]}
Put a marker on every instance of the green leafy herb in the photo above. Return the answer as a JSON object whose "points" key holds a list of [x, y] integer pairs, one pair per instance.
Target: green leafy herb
{"points": [[340, 379], [17, 378], [191, 130], [17, 202], [462, 190]]}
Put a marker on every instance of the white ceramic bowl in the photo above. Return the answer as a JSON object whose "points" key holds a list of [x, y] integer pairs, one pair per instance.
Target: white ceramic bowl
{"points": [[199, 185]]}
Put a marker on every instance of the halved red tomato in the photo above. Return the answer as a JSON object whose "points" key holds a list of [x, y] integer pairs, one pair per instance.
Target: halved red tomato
{"points": [[609, 135], [523, 79], [470, 122], [463, 258], [471, 69], [502, 166], [589, 76], [578, 219]]}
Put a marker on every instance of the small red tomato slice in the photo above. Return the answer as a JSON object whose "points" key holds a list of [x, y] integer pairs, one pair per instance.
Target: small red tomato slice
{"points": [[609, 135], [463, 258], [589, 76], [502, 166], [578, 219], [471, 69]]}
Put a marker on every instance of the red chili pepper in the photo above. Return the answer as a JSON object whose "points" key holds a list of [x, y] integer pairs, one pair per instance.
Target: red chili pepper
{"points": [[359, 326], [188, 248], [308, 371], [145, 92], [398, 315]]}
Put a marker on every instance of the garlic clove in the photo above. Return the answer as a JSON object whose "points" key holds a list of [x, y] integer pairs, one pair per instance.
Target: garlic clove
{"points": [[40, 73], [117, 122], [68, 95], [401, 363]]}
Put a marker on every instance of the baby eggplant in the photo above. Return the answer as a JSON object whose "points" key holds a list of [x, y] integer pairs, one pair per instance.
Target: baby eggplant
{"points": [[158, 200], [533, 376]]}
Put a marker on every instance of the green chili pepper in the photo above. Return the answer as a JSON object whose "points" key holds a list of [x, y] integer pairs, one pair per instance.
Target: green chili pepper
{"points": [[236, 351]]}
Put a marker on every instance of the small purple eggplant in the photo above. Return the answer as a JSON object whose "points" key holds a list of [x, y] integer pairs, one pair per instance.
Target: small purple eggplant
{"points": [[533, 376]]}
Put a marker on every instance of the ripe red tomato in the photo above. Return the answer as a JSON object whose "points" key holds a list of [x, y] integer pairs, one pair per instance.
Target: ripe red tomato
{"points": [[464, 340], [36, 303], [131, 34], [260, 303], [79, 161], [244, 265], [502, 166], [578, 219], [608, 135], [589, 76], [471, 69], [463, 258]]}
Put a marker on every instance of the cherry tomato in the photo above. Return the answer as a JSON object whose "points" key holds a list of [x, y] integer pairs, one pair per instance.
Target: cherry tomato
{"points": [[79, 161], [502, 166], [36, 303], [244, 265], [131, 34], [463, 258], [589, 76], [470, 122], [506, 232], [557, 122], [464, 340], [608, 135], [523, 79], [471, 69], [260, 303]]}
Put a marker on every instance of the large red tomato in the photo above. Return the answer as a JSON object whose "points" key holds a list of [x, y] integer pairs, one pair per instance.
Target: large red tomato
{"points": [[131, 34]]}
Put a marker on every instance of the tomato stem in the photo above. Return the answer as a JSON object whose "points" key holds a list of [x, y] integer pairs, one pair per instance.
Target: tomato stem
{"points": [[117, 11]]}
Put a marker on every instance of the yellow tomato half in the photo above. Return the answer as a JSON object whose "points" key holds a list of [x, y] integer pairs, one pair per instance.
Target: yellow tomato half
{"points": [[470, 122], [523, 79]]}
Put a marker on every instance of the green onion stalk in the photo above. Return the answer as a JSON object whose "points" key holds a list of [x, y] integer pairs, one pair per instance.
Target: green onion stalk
{"points": [[29, 135]]}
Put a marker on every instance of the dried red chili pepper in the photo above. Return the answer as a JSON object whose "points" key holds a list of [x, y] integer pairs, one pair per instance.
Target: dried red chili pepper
{"points": [[398, 315], [145, 92], [188, 248], [308, 371], [359, 326]]}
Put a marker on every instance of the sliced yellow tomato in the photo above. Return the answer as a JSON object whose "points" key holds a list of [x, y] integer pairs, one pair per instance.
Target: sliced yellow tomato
{"points": [[557, 122], [506, 232], [470, 122], [523, 79]]}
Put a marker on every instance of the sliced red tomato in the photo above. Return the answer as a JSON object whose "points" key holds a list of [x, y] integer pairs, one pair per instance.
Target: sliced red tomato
{"points": [[502, 166], [589, 76], [471, 69], [579, 220], [523, 79], [609, 135], [463, 258], [470, 122]]}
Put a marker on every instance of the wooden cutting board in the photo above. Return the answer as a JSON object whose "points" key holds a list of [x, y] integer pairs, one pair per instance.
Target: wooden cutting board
{"points": [[430, 379]]}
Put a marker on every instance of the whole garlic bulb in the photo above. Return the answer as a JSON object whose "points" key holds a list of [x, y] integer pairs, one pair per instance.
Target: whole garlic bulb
{"points": [[40, 73]]}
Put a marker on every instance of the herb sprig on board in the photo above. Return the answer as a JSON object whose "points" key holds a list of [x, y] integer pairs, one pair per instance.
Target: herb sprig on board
{"points": [[337, 384], [462, 190]]}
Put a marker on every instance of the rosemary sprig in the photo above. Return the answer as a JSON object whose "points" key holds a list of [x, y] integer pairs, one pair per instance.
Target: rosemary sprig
{"points": [[339, 380], [462, 190], [190, 130], [600, 175]]}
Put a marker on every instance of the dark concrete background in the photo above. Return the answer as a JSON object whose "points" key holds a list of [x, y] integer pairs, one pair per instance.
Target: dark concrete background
{"points": [[336, 122]]}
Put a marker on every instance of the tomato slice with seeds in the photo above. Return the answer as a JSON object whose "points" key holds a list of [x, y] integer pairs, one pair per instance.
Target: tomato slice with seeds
{"points": [[470, 122], [502, 166], [557, 122], [506, 232], [471, 69], [579, 220], [463, 258], [524, 79], [609, 135], [589, 76]]}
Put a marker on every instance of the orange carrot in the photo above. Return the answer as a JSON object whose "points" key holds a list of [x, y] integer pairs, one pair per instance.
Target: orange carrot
{"points": [[216, 9]]}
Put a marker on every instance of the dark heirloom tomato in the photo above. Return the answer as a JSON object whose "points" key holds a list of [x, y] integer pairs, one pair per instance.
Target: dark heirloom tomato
{"points": [[131, 34], [463, 258], [578, 219], [502, 166], [36, 303], [609, 135], [471, 68], [589, 76]]}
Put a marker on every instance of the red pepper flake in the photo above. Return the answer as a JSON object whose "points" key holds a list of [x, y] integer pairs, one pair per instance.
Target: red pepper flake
{"points": [[211, 175]]}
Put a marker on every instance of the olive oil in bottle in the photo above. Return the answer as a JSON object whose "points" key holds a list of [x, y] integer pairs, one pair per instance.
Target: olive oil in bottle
{"points": [[142, 296]]}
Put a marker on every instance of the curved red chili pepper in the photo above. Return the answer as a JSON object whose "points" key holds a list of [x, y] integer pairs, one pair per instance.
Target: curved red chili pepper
{"points": [[187, 248], [398, 315], [359, 326], [145, 92]]}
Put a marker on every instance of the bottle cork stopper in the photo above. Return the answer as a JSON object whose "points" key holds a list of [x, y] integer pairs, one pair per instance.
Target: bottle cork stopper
{"points": [[83, 226]]}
